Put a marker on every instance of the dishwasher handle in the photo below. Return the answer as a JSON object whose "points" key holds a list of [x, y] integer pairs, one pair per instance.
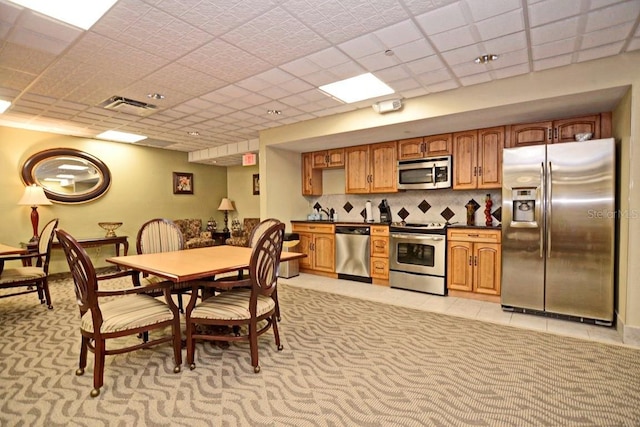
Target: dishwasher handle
{"points": [[363, 231]]}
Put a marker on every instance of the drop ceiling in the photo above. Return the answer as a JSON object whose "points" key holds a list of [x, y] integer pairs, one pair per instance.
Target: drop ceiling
{"points": [[221, 65]]}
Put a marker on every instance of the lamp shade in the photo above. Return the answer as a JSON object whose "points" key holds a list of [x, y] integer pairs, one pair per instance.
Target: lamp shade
{"points": [[226, 205], [34, 196]]}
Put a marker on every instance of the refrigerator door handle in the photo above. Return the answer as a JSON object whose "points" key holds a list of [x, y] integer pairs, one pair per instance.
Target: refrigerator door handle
{"points": [[543, 199], [549, 207]]}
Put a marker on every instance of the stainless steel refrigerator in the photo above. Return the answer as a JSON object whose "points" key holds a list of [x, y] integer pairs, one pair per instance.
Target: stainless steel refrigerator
{"points": [[558, 229]]}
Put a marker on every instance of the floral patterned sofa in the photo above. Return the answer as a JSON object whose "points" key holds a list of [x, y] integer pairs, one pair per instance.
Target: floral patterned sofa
{"points": [[193, 235], [241, 237]]}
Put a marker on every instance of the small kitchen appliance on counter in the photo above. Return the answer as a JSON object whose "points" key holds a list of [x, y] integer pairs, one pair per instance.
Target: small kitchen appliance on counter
{"points": [[385, 211]]}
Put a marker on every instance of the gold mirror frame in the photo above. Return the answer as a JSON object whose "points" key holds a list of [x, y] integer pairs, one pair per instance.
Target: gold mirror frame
{"points": [[87, 184]]}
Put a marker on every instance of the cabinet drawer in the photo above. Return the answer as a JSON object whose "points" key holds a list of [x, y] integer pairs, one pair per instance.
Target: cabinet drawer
{"points": [[467, 235], [313, 228], [379, 230], [380, 247], [380, 268]]}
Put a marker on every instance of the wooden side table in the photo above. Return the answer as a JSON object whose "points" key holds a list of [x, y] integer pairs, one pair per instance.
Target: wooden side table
{"points": [[220, 236]]}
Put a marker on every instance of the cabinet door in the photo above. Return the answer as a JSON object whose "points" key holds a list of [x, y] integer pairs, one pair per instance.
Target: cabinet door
{"points": [[530, 134], [490, 145], [383, 168], [357, 169], [465, 169], [438, 145], [324, 252], [410, 148], [311, 178], [328, 158], [487, 261], [306, 240], [335, 158], [565, 130], [460, 266]]}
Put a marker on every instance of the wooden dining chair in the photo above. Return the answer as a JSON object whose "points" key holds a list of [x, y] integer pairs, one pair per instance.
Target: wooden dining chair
{"points": [[113, 313], [246, 303], [33, 278], [255, 235], [161, 235]]}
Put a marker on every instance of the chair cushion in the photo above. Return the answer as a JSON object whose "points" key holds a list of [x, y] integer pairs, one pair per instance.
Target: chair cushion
{"points": [[128, 312], [231, 305], [21, 274]]}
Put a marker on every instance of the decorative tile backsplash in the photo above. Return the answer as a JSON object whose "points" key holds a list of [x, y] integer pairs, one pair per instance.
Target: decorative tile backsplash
{"points": [[415, 206]]}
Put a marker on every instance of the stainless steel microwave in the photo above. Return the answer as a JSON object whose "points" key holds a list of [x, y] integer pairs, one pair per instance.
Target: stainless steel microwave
{"points": [[424, 174]]}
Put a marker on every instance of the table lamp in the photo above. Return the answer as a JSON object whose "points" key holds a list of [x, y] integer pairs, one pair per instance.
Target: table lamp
{"points": [[226, 206], [34, 196]]}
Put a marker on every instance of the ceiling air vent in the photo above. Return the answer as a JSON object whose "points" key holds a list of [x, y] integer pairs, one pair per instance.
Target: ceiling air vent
{"points": [[129, 106]]}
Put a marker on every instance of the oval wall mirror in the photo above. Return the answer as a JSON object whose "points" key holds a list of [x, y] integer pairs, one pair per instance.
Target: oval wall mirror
{"points": [[67, 175]]}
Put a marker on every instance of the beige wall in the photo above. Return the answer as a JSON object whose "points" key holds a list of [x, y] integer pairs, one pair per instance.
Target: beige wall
{"points": [[141, 189], [287, 202], [240, 192]]}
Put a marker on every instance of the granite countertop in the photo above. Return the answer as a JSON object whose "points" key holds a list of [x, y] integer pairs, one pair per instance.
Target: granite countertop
{"points": [[326, 221]]}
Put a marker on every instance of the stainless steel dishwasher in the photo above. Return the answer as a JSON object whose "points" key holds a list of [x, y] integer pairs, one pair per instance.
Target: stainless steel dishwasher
{"points": [[353, 253]]}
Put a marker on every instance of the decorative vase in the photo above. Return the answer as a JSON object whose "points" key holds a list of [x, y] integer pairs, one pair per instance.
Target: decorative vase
{"points": [[487, 211]]}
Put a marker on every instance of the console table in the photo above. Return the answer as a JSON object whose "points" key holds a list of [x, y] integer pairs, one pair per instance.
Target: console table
{"points": [[91, 242]]}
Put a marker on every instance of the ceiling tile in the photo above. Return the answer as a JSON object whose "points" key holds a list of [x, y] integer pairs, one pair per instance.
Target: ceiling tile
{"points": [[481, 10], [442, 19], [552, 10], [613, 15], [559, 30], [507, 23]]}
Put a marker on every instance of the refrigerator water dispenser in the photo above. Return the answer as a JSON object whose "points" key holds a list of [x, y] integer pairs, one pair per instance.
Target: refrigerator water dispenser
{"points": [[524, 204]]}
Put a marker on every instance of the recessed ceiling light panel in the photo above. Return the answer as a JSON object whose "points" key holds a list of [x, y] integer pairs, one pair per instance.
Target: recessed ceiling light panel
{"points": [[80, 13], [359, 88], [114, 135]]}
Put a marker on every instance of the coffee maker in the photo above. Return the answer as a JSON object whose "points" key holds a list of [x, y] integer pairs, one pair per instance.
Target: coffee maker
{"points": [[385, 211]]}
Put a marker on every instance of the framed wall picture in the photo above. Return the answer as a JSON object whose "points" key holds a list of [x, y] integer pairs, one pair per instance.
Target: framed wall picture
{"points": [[182, 183], [256, 184]]}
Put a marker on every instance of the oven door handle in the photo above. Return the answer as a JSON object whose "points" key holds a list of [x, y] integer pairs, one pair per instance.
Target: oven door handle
{"points": [[417, 237]]}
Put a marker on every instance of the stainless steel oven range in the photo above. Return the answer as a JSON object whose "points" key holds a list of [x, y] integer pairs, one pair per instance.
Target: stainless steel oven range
{"points": [[417, 257]]}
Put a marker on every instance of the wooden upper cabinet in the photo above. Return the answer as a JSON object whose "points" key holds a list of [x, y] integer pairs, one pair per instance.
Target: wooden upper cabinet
{"points": [[384, 168], [529, 134], [417, 148], [557, 131], [477, 158], [565, 130], [311, 178], [371, 168], [490, 145], [328, 158], [357, 169], [465, 160]]}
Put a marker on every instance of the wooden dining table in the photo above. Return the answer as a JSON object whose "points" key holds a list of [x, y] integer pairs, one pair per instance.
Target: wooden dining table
{"points": [[194, 264], [9, 250]]}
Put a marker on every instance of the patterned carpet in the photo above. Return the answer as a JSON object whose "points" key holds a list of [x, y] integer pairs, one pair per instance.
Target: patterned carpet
{"points": [[346, 362]]}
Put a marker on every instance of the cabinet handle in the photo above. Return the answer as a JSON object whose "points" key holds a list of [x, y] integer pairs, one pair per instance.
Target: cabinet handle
{"points": [[473, 235], [555, 133], [475, 260], [470, 259], [550, 134], [326, 159], [479, 170], [475, 171]]}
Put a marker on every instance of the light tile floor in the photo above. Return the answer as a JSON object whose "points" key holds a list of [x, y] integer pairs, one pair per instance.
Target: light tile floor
{"points": [[455, 306]]}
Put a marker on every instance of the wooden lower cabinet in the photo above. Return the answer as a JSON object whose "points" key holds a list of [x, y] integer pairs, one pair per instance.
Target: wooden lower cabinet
{"points": [[318, 242], [474, 261], [379, 254]]}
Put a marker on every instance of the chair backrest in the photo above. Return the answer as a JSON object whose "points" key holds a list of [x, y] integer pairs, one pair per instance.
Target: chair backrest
{"points": [[265, 261], [261, 228], [83, 273], [44, 244], [159, 235], [190, 227]]}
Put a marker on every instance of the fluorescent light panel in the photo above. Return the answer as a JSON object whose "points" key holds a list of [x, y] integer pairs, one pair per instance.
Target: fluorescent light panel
{"points": [[4, 105], [80, 13], [359, 88], [114, 135]]}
